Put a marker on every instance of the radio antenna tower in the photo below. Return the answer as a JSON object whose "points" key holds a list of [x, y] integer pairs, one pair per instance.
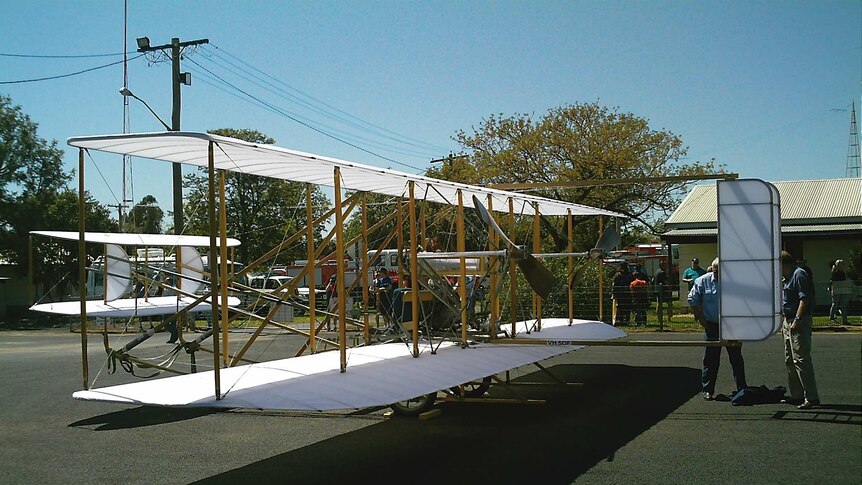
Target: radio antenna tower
{"points": [[853, 149]]}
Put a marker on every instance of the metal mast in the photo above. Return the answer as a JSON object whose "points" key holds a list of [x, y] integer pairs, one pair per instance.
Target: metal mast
{"points": [[853, 169]]}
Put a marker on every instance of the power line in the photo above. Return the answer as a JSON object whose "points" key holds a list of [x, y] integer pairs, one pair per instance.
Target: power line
{"points": [[303, 123], [81, 56], [434, 148], [65, 75], [342, 133], [256, 80]]}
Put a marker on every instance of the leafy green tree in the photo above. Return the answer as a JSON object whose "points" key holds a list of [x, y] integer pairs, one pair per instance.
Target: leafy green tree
{"points": [[579, 142], [261, 211], [34, 196], [144, 217]]}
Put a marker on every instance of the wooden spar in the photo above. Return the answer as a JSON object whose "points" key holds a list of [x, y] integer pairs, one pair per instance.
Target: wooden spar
{"points": [[537, 248], [400, 240], [365, 329], [414, 268], [105, 273], [213, 281], [494, 298], [309, 243], [462, 282], [339, 282], [105, 341], [513, 277], [317, 258], [571, 266], [223, 311], [424, 236], [179, 322], [601, 264], [292, 239], [291, 285], [82, 267]]}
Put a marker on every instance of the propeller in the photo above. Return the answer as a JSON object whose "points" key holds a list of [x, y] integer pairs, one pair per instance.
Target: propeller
{"points": [[541, 280], [609, 240]]}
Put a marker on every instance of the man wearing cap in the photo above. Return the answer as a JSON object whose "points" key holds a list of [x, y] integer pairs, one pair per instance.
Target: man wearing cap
{"points": [[693, 273], [798, 308]]}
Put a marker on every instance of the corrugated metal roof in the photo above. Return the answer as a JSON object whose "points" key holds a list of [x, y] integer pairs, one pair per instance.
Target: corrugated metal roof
{"points": [[804, 229], [805, 201]]}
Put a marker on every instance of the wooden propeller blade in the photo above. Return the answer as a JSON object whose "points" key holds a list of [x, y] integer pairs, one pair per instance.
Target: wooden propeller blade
{"points": [[541, 280], [610, 239], [577, 273], [488, 219]]}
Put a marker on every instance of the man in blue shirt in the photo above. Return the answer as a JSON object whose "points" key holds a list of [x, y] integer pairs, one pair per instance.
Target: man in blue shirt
{"points": [[798, 306], [703, 300]]}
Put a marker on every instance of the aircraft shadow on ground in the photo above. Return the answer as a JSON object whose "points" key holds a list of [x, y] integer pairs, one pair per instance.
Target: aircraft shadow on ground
{"points": [[142, 416], [826, 413], [525, 443]]}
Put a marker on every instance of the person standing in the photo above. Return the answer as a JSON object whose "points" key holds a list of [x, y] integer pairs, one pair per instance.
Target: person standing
{"points": [[332, 303], [798, 307], [640, 289], [662, 292], [692, 273], [840, 287], [622, 294], [168, 290], [703, 300]]}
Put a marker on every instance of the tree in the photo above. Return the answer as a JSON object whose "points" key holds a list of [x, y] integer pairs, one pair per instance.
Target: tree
{"points": [[261, 211], [34, 196], [145, 217], [574, 143]]}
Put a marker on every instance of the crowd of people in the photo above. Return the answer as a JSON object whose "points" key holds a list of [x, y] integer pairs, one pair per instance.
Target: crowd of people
{"points": [[634, 291]]}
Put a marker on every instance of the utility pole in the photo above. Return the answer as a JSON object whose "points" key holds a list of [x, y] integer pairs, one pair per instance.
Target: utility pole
{"points": [[177, 79]]}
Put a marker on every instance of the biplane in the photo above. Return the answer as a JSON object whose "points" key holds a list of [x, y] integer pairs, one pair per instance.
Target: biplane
{"points": [[406, 372]]}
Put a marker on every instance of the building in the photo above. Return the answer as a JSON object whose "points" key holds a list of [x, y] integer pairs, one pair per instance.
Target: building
{"points": [[821, 221]]}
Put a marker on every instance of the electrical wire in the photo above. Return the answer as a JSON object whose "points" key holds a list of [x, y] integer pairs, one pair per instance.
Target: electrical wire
{"points": [[342, 135], [81, 56], [400, 137], [66, 75], [303, 123]]}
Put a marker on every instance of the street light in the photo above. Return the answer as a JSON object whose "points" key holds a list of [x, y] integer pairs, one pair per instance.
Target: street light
{"points": [[127, 93], [174, 52]]}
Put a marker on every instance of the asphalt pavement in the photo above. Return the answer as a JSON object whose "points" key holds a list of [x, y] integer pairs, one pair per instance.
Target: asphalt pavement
{"points": [[636, 417]]}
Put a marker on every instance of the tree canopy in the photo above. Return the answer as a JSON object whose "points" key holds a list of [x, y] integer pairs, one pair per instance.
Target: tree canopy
{"points": [[579, 142], [144, 217], [34, 196], [261, 211]]}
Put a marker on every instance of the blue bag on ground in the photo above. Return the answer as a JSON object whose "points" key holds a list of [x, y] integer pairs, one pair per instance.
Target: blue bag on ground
{"points": [[748, 396]]}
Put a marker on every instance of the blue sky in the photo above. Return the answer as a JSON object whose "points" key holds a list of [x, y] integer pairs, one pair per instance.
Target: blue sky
{"points": [[759, 86]]}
